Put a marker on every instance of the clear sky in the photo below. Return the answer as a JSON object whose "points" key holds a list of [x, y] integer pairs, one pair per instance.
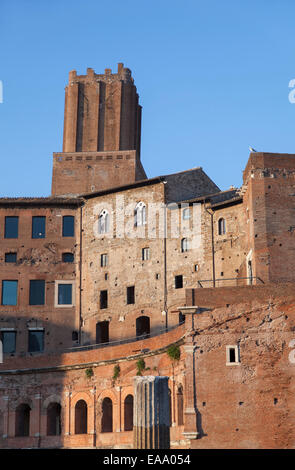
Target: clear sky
{"points": [[213, 78]]}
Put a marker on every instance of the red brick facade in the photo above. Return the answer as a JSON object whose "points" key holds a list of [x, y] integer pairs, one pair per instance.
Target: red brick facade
{"points": [[124, 277]]}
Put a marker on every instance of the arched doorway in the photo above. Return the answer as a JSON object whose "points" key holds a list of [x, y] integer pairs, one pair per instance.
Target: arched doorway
{"points": [[53, 419], [142, 326], [22, 420], [81, 417], [128, 413], [107, 415]]}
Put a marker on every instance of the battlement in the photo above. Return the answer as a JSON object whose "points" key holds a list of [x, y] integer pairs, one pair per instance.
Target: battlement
{"points": [[122, 74]]}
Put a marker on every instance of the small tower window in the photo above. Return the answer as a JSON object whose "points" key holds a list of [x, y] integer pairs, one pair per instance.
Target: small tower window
{"points": [[232, 355], [140, 214], [184, 245], [103, 222]]}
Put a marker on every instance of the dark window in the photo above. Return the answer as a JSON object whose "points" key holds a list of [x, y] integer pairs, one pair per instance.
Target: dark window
{"points": [[75, 336], [128, 413], [232, 355], [142, 326], [102, 332], [38, 227], [181, 318], [68, 223], [9, 292], [68, 257], [81, 417], [36, 341], [37, 292], [130, 295], [103, 260], [10, 257], [54, 419], [103, 299], [107, 415], [11, 227], [64, 294], [22, 420], [178, 282], [8, 340]]}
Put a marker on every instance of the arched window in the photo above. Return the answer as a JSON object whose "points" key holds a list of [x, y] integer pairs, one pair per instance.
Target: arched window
{"points": [[140, 214], [184, 245], [180, 405], [107, 415], [81, 417], [142, 326], [53, 419], [128, 413], [103, 222], [221, 226], [22, 420]]}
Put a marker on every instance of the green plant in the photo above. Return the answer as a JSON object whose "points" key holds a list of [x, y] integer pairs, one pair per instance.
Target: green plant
{"points": [[117, 371], [140, 365], [89, 373], [174, 352]]}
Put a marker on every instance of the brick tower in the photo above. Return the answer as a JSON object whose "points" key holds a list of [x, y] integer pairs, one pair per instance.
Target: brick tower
{"points": [[101, 141]]}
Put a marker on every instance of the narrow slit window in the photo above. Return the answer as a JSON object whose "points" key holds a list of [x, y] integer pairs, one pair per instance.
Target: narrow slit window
{"points": [[130, 295], [221, 226], [145, 254], [232, 355], [103, 299], [104, 260]]}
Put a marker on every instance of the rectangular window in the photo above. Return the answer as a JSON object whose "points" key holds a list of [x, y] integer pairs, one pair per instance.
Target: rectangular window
{"points": [[38, 227], [178, 281], [186, 214], [10, 257], [145, 254], [9, 341], [68, 257], [64, 296], [9, 292], [232, 355], [11, 227], [36, 341], [103, 299], [37, 292], [131, 295], [68, 223], [104, 260]]}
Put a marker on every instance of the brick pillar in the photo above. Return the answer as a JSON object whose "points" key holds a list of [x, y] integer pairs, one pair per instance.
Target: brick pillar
{"points": [[190, 413], [151, 413]]}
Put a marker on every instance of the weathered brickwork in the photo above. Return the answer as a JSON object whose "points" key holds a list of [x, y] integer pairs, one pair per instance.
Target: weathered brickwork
{"points": [[138, 257]]}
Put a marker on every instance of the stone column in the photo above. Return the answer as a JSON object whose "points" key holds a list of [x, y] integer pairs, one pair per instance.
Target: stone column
{"points": [[151, 413]]}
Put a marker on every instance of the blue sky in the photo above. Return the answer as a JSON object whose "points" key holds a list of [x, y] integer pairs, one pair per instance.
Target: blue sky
{"points": [[212, 77]]}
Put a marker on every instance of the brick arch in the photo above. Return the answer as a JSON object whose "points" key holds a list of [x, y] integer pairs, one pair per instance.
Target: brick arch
{"points": [[105, 394], [52, 399], [127, 391], [23, 401], [81, 396]]}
